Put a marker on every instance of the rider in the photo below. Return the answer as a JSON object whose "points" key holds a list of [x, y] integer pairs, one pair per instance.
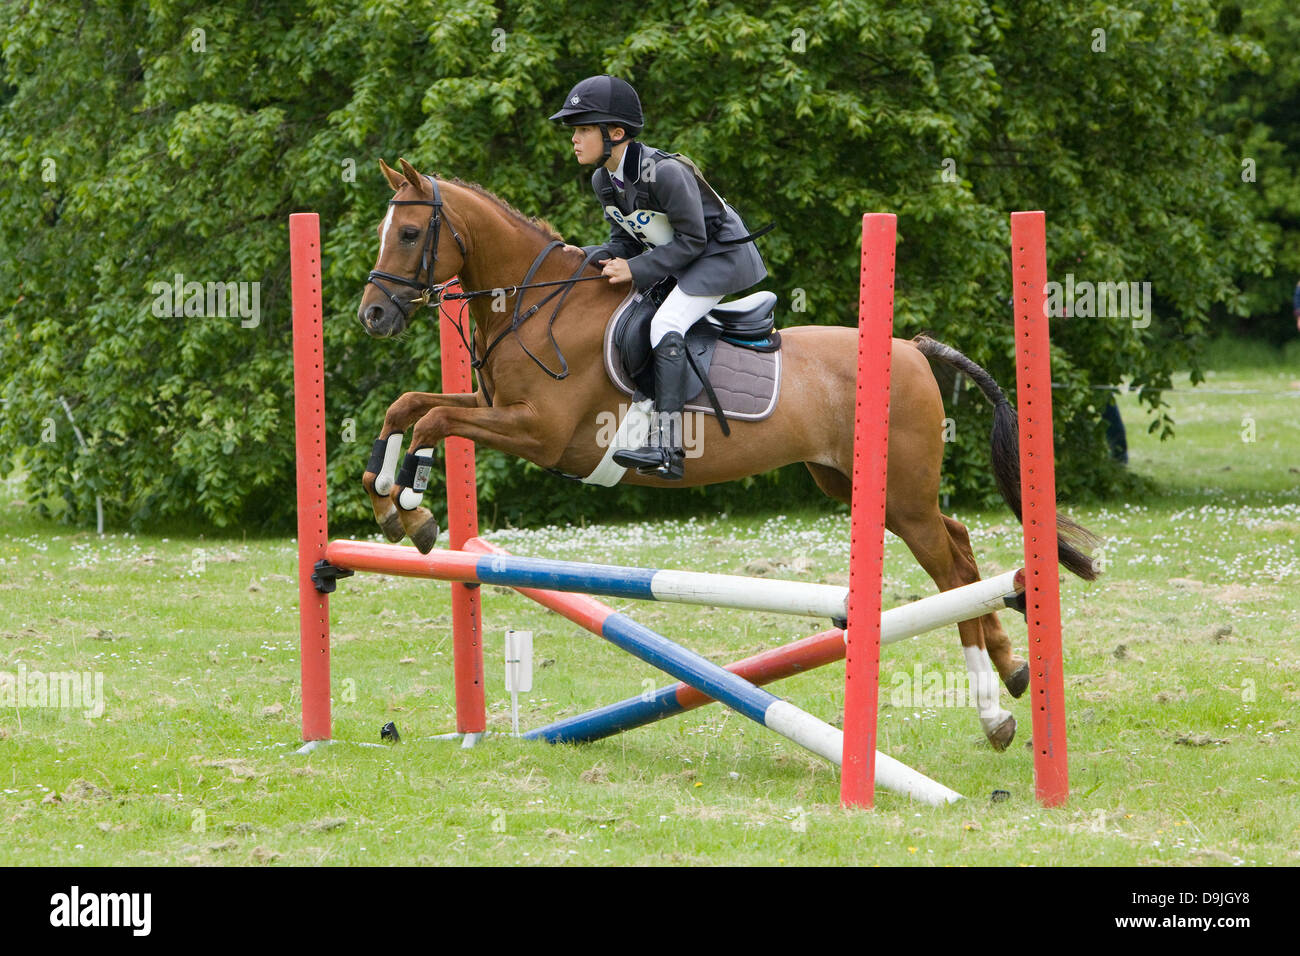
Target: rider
{"points": [[665, 220]]}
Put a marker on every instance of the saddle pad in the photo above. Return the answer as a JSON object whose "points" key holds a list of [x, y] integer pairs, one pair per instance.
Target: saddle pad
{"points": [[747, 383]]}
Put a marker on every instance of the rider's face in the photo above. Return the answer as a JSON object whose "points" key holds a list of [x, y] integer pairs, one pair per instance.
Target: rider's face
{"points": [[587, 144]]}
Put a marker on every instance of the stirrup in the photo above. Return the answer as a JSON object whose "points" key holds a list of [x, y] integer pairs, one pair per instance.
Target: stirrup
{"points": [[670, 467], [652, 461]]}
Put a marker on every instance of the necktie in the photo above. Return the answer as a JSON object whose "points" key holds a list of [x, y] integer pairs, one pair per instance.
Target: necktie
{"points": [[617, 182]]}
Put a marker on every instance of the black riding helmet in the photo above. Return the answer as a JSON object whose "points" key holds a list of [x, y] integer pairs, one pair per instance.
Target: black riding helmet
{"points": [[601, 101]]}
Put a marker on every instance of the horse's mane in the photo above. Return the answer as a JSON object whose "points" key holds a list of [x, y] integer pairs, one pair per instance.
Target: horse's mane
{"points": [[539, 226]]}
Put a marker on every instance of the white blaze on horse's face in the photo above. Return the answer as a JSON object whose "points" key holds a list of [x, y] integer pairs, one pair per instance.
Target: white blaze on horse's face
{"points": [[383, 231]]}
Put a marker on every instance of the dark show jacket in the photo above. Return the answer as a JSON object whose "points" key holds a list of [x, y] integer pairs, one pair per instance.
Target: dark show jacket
{"points": [[670, 222]]}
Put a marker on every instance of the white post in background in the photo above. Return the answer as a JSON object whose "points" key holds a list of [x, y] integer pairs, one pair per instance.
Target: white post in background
{"points": [[519, 670], [99, 502]]}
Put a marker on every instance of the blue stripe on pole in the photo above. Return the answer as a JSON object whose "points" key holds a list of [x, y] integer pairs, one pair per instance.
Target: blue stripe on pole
{"points": [[719, 683], [611, 719], [510, 571]]}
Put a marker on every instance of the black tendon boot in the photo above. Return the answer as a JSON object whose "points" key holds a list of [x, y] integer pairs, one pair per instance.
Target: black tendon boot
{"points": [[663, 456]]}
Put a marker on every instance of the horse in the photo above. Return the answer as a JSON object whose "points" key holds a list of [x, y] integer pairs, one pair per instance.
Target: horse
{"points": [[524, 408]]}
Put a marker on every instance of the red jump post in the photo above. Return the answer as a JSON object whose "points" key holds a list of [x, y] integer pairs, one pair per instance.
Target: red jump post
{"points": [[309, 420], [462, 521], [867, 534], [1038, 494]]}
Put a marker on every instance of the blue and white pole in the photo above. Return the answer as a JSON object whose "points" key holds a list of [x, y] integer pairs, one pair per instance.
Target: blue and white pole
{"points": [[643, 584]]}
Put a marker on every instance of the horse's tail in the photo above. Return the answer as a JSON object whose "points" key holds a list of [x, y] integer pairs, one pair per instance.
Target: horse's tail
{"points": [[1071, 538]]}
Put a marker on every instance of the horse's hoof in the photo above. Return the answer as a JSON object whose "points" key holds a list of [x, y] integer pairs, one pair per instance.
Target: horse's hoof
{"points": [[1018, 681], [391, 525], [1002, 735], [425, 536]]}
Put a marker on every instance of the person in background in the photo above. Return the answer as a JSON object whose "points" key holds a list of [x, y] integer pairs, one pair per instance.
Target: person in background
{"points": [[1116, 437]]}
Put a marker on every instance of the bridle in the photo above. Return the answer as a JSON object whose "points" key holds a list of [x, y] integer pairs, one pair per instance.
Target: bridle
{"points": [[428, 258], [429, 292]]}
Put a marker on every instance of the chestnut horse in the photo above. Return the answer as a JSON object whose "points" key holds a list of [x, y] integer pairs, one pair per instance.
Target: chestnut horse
{"points": [[435, 230]]}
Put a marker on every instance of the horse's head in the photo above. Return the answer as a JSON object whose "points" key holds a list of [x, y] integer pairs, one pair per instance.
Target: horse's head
{"points": [[418, 249]]}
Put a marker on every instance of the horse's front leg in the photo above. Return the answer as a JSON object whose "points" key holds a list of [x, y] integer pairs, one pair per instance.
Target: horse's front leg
{"points": [[381, 470], [513, 429]]}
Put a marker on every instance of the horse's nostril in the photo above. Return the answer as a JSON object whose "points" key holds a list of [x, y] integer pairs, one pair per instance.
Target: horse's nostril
{"points": [[373, 314]]}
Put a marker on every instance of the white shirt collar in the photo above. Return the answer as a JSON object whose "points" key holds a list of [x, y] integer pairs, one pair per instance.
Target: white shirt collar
{"points": [[618, 173]]}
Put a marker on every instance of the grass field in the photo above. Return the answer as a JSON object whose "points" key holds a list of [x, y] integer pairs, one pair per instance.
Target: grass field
{"points": [[1182, 679]]}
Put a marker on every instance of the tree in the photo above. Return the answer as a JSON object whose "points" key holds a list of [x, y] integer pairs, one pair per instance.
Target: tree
{"points": [[153, 142]]}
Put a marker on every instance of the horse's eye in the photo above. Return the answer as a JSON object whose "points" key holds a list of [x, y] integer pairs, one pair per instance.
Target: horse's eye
{"points": [[410, 234]]}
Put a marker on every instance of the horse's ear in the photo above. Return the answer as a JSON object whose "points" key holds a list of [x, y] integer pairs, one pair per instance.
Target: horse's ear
{"points": [[412, 175], [393, 176]]}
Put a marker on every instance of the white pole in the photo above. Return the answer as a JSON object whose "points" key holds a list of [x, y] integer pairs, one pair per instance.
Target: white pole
{"points": [[99, 502], [751, 594], [946, 607]]}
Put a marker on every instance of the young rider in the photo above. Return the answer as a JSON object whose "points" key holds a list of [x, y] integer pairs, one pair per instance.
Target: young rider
{"points": [[665, 220]]}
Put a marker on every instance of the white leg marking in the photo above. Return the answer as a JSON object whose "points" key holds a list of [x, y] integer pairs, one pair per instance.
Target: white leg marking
{"points": [[984, 685]]}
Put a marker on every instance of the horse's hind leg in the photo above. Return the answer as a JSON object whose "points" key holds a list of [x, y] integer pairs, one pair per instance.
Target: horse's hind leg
{"points": [[927, 536], [938, 553], [1013, 670]]}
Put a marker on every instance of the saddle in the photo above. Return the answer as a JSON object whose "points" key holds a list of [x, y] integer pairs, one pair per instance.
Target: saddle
{"points": [[733, 354]]}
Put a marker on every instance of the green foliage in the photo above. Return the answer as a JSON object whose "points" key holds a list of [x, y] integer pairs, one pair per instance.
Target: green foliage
{"points": [[1258, 118], [145, 141]]}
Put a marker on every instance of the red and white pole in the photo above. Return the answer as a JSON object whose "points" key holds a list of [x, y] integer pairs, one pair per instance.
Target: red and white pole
{"points": [[462, 525], [867, 535], [309, 423], [1038, 495]]}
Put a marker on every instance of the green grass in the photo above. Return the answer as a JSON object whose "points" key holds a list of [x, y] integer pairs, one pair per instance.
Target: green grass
{"points": [[1182, 679]]}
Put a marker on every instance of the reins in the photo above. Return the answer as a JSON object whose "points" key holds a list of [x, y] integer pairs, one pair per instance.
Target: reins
{"points": [[517, 319]]}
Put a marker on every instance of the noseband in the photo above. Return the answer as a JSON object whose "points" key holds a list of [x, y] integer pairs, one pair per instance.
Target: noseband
{"points": [[428, 258]]}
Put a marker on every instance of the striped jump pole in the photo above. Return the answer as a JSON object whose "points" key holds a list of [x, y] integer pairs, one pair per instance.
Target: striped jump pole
{"points": [[491, 565], [730, 689], [643, 584], [1038, 493], [896, 624]]}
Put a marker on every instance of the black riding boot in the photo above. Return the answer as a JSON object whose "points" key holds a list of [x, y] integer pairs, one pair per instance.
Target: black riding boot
{"points": [[663, 456]]}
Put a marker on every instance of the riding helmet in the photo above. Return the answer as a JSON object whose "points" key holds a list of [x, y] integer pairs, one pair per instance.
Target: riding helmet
{"points": [[602, 99]]}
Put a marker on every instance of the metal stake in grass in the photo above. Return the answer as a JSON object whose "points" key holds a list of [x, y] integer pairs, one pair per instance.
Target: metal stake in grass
{"points": [[519, 670]]}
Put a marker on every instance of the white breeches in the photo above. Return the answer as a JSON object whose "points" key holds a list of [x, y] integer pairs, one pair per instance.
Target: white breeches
{"points": [[679, 312]]}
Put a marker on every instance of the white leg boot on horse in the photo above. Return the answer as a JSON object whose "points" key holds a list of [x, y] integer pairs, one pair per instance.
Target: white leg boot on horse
{"points": [[381, 470]]}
